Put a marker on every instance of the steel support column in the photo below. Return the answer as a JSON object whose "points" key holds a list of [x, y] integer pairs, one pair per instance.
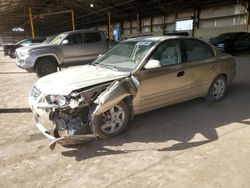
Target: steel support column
{"points": [[73, 20], [31, 24]]}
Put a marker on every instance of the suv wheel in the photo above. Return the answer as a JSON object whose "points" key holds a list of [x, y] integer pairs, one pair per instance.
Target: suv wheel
{"points": [[45, 66], [12, 54]]}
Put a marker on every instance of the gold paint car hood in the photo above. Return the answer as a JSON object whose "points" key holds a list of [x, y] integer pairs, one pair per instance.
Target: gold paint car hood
{"points": [[66, 81]]}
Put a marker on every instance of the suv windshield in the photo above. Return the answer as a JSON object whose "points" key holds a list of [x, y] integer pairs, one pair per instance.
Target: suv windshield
{"points": [[57, 40], [48, 40], [125, 56], [21, 41]]}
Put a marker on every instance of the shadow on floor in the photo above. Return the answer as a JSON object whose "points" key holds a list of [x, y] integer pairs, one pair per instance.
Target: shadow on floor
{"points": [[15, 110], [13, 72]]}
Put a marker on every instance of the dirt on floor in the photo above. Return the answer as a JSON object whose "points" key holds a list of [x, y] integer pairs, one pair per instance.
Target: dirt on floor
{"points": [[192, 144]]}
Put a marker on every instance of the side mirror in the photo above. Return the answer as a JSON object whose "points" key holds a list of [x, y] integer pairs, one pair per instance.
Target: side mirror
{"points": [[65, 41], [152, 64]]}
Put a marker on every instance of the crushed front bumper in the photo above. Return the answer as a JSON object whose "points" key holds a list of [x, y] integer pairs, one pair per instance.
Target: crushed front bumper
{"points": [[65, 140], [43, 129]]}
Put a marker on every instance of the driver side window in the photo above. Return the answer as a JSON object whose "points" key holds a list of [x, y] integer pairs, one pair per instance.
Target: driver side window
{"points": [[75, 38], [168, 53]]}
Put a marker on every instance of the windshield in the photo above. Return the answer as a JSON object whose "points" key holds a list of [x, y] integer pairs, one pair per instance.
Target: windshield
{"points": [[21, 41], [125, 56], [48, 39], [57, 40]]}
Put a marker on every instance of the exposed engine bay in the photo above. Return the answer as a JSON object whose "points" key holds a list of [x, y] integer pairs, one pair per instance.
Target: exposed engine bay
{"points": [[74, 117]]}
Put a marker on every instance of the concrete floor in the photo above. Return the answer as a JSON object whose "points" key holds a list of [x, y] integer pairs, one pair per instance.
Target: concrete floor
{"points": [[192, 144]]}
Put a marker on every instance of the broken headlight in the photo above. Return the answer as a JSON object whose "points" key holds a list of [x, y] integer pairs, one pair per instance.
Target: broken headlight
{"points": [[73, 103], [60, 100]]}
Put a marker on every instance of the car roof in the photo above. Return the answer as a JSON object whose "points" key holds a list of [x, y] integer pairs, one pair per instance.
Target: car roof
{"points": [[81, 31], [158, 38]]}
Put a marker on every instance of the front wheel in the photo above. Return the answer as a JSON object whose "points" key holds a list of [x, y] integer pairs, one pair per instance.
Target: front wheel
{"points": [[12, 54], [112, 122], [45, 66], [217, 90]]}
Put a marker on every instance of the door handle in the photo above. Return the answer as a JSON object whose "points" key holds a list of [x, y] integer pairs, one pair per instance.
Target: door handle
{"points": [[179, 74]]}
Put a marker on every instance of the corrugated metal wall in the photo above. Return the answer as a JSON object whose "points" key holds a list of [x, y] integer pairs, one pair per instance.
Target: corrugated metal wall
{"points": [[211, 22], [216, 20], [214, 31], [12, 37], [208, 22]]}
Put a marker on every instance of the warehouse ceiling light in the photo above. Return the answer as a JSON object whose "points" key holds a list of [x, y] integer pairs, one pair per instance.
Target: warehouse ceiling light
{"points": [[18, 29]]}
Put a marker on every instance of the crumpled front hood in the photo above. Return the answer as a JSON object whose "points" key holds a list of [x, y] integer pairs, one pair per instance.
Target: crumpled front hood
{"points": [[66, 81]]}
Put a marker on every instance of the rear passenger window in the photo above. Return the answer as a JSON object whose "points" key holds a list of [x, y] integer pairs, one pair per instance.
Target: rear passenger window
{"points": [[92, 37], [75, 38], [197, 50]]}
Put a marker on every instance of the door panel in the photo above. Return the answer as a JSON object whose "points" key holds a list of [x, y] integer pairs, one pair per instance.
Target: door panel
{"points": [[200, 74], [201, 64], [93, 45], [175, 81], [165, 85], [162, 87], [72, 52], [93, 49]]}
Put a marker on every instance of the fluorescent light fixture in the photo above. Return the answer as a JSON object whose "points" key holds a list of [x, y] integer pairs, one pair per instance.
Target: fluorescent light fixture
{"points": [[18, 29]]}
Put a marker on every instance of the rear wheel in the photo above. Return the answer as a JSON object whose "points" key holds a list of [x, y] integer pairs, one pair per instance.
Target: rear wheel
{"points": [[112, 122], [217, 90], [45, 66]]}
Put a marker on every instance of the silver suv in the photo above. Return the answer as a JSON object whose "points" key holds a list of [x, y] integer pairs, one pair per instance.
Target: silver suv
{"points": [[69, 48]]}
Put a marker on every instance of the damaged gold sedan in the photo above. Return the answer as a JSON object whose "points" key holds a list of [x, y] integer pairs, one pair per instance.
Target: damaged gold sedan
{"points": [[136, 76]]}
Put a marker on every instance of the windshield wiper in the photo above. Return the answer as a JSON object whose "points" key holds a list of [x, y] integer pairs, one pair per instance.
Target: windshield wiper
{"points": [[108, 66], [113, 68]]}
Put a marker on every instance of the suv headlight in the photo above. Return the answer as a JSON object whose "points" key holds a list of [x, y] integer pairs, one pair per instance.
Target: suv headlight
{"points": [[60, 100], [24, 52]]}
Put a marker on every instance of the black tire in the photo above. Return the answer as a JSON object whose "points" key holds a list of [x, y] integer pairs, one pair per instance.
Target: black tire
{"points": [[217, 90], [45, 66], [12, 54], [99, 122], [6, 52]]}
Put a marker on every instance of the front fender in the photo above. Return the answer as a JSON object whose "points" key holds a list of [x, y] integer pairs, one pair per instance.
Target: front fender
{"points": [[49, 55], [115, 93]]}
